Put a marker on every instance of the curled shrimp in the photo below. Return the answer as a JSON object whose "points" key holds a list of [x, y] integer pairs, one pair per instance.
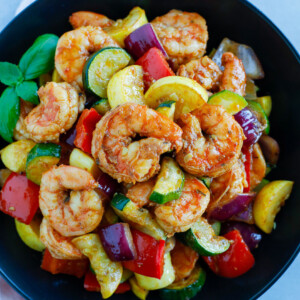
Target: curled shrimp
{"points": [[59, 246], [234, 75], [212, 141], [56, 113], [203, 70], [88, 18], [128, 161], [75, 47], [74, 213], [225, 187], [258, 166], [179, 215], [183, 34]]}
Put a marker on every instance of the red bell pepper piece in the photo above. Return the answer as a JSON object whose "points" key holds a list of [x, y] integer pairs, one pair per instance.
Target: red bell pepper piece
{"points": [[248, 162], [84, 129], [91, 284], [154, 66], [236, 261], [64, 266], [150, 255], [19, 197]]}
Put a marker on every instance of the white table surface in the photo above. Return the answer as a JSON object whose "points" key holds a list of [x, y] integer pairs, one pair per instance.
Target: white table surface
{"points": [[285, 14]]}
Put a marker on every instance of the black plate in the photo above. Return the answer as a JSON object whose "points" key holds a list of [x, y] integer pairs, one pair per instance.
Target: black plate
{"points": [[237, 20]]}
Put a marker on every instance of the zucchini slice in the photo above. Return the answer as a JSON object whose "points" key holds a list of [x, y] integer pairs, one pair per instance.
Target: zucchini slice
{"points": [[207, 181], [102, 106], [231, 101], [216, 226], [101, 66], [169, 183], [202, 238], [40, 159], [138, 218], [266, 104], [167, 109], [185, 289], [260, 114], [138, 291]]}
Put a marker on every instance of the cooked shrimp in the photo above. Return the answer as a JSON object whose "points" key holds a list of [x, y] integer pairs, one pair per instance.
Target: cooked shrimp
{"points": [[75, 47], [74, 213], [59, 246], [183, 34], [234, 75], [258, 166], [212, 141], [86, 18], [225, 187], [203, 70], [56, 113], [128, 161], [179, 215]]}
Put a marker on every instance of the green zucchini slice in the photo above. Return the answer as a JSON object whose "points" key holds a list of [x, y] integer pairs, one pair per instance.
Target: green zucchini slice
{"points": [[202, 238], [102, 106], [136, 217], [186, 288], [101, 66], [207, 181], [169, 183], [167, 109], [260, 114], [266, 104], [231, 101], [40, 159]]}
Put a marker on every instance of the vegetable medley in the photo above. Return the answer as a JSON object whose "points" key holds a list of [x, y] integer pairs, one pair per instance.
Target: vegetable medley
{"points": [[139, 161]]}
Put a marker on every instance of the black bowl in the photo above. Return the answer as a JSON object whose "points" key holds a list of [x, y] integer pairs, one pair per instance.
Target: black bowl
{"points": [[237, 20]]}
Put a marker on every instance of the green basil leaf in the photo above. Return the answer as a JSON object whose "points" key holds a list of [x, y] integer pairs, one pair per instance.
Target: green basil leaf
{"points": [[27, 90], [10, 74], [39, 58], [9, 113]]}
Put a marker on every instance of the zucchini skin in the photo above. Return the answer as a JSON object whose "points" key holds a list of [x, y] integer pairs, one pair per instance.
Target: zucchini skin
{"points": [[119, 201], [256, 107], [48, 149]]}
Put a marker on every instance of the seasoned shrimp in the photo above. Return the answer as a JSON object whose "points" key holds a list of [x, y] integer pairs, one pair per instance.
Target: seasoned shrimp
{"points": [[59, 246], [86, 18], [258, 166], [212, 141], [56, 113], [234, 75], [75, 47], [183, 34], [74, 213], [225, 187], [179, 215], [203, 70], [128, 161]]}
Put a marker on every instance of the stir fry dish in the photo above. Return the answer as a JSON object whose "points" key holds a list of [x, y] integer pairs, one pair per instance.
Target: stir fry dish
{"points": [[135, 159]]}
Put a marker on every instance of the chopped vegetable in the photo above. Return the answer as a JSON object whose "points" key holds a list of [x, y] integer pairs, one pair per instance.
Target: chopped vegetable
{"points": [[270, 149], [167, 109], [56, 77], [236, 261], [251, 90], [4, 173], [266, 104], [44, 78], [108, 185], [269, 201], [260, 115], [102, 106], [150, 255], [19, 198], [247, 151], [207, 181], [64, 266], [261, 185], [101, 66], [216, 226], [169, 183], [154, 66], [14, 155], [84, 129], [109, 217], [245, 216], [108, 273], [137, 290]]}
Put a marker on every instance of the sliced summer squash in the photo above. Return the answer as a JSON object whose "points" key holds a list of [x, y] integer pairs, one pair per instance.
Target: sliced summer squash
{"points": [[138, 218], [101, 66], [266, 104], [167, 109], [102, 106], [260, 114], [207, 181], [169, 183], [137, 290], [40, 159]]}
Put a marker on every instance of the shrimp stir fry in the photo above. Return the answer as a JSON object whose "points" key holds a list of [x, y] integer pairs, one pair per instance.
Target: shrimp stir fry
{"points": [[128, 161], [59, 246], [88, 18], [179, 215], [75, 47], [212, 141], [183, 35], [74, 213], [56, 113]]}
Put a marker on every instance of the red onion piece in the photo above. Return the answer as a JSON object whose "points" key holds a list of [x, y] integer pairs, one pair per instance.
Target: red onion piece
{"points": [[251, 126], [245, 216], [235, 206], [69, 136], [141, 40], [270, 149], [108, 185], [250, 233], [117, 242]]}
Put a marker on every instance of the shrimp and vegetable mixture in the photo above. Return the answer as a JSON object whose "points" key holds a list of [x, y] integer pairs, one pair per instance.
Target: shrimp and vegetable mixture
{"points": [[136, 150]]}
